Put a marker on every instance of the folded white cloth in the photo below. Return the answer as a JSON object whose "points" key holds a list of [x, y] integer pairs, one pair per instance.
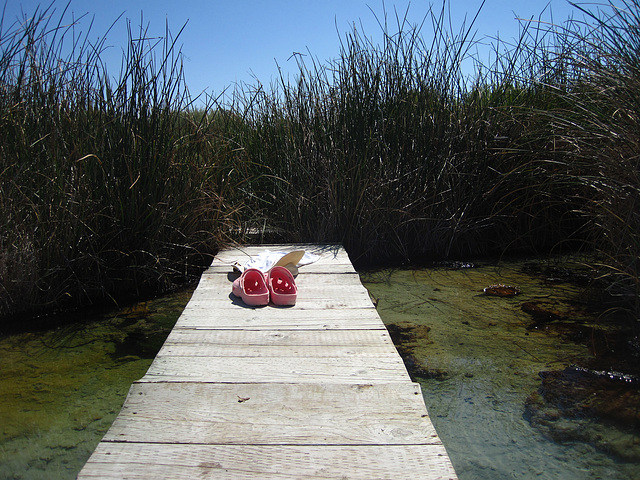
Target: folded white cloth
{"points": [[265, 261]]}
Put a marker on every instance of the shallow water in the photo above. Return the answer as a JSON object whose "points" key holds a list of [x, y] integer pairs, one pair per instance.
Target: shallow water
{"points": [[61, 389], [478, 360]]}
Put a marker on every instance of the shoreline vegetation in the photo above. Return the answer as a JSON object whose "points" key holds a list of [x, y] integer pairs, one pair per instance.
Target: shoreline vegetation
{"points": [[119, 187]]}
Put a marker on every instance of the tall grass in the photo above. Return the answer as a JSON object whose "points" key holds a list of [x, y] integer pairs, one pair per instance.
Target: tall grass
{"points": [[603, 122], [393, 151], [118, 185], [107, 188]]}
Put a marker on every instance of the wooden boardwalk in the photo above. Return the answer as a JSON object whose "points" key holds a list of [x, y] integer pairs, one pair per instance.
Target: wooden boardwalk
{"points": [[313, 391]]}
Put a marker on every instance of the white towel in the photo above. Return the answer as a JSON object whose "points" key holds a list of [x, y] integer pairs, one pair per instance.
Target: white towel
{"points": [[265, 261]]}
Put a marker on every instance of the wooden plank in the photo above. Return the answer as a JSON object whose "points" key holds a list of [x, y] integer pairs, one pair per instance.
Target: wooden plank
{"points": [[275, 351], [273, 414], [278, 343], [336, 320], [341, 300], [276, 462], [201, 319], [279, 337], [229, 316], [285, 370]]}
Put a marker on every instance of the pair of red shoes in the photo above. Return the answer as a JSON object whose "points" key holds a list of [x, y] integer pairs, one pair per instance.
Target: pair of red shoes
{"points": [[256, 288]]}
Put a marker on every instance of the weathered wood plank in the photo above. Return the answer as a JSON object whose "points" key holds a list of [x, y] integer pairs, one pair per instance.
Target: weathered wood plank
{"points": [[340, 301], [272, 319], [230, 313], [272, 414], [276, 351], [276, 462], [278, 343], [283, 370], [337, 321], [279, 337], [338, 297]]}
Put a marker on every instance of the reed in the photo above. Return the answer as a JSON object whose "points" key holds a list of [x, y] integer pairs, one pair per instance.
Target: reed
{"points": [[110, 187], [107, 188], [393, 152], [603, 124]]}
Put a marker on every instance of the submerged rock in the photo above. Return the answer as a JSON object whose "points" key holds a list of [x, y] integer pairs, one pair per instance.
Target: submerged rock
{"points": [[419, 370], [540, 313], [579, 404], [406, 336]]}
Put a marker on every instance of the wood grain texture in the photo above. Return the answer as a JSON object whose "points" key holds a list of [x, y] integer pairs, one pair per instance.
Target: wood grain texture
{"points": [[316, 390], [279, 337], [274, 414], [281, 370], [277, 462], [277, 318]]}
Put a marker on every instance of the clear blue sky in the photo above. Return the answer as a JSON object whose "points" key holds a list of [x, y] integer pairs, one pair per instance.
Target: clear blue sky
{"points": [[240, 40]]}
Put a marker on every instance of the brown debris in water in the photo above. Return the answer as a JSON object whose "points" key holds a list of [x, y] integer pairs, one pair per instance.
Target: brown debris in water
{"points": [[500, 290]]}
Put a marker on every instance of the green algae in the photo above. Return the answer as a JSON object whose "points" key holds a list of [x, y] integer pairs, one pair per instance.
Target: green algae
{"points": [[62, 389], [479, 358]]}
